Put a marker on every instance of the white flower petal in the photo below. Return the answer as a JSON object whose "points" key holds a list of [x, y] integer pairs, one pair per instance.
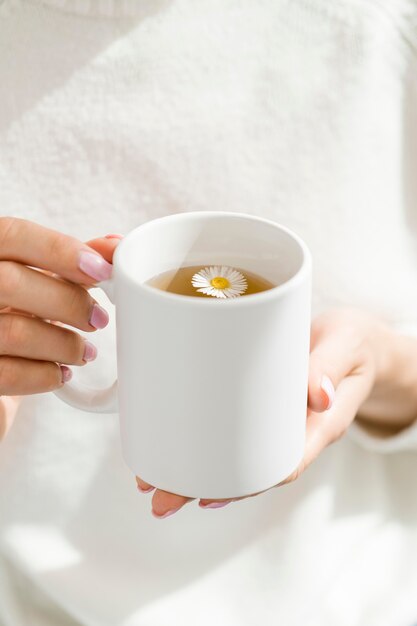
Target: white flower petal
{"points": [[201, 282]]}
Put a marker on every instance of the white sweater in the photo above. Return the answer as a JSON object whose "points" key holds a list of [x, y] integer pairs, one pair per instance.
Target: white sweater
{"points": [[303, 111]]}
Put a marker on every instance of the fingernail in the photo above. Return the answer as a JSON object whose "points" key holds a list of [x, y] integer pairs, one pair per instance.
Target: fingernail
{"points": [[213, 505], [167, 514], [90, 352], [113, 237], [145, 490], [99, 317], [94, 265], [327, 386], [66, 373]]}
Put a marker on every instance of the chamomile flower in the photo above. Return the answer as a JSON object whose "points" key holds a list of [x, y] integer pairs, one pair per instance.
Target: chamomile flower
{"points": [[220, 282]]}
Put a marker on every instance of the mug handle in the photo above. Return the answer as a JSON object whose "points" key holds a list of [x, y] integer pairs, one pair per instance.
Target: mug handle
{"points": [[86, 398]]}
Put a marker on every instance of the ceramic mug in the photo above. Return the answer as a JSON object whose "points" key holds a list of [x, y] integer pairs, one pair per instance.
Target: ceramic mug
{"points": [[212, 393]]}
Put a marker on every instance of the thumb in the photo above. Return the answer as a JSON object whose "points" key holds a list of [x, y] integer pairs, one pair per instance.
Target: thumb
{"points": [[105, 245], [331, 359]]}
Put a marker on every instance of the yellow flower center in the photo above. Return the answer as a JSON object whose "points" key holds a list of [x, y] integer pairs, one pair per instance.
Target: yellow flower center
{"points": [[218, 282]]}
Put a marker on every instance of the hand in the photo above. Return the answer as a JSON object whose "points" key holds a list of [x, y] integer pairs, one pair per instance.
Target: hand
{"points": [[353, 352], [32, 350]]}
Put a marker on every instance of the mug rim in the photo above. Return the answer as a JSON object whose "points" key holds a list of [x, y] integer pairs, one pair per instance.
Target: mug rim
{"points": [[249, 300]]}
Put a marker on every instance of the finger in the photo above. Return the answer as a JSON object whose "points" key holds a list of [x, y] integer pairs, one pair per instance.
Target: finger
{"points": [[49, 298], [321, 389], [143, 486], [331, 359], [322, 431], [165, 503], [31, 244], [22, 376], [218, 504], [32, 338], [206, 503], [106, 245]]}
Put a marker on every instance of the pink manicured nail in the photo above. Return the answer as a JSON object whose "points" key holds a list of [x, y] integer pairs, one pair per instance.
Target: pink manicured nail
{"points": [[145, 490], [327, 386], [66, 373], [99, 317], [114, 237], [167, 514], [213, 505], [94, 265], [90, 351]]}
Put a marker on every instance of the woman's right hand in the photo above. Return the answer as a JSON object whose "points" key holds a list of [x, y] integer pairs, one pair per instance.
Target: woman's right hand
{"points": [[35, 353]]}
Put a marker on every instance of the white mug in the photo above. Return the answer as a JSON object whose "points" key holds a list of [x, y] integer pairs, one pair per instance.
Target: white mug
{"points": [[212, 393]]}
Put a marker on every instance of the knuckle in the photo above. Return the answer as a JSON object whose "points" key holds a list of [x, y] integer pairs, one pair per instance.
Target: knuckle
{"points": [[13, 333], [8, 375], [61, 246], [75, 348], [10, 277], [53, 377], [79, 303]]}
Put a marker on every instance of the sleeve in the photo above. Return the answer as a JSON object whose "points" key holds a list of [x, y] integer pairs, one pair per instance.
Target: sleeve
{"points": [[406, 439]]}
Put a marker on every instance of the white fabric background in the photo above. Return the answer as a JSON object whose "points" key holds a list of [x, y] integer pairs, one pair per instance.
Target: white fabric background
{"points": [[304, 112]]}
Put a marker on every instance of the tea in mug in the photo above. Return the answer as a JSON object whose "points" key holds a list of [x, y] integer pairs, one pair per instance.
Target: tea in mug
{"points": [[215, 281]]}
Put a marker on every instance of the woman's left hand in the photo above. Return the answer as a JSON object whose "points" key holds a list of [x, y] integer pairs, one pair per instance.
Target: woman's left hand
{"points": [[366, 362]]}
